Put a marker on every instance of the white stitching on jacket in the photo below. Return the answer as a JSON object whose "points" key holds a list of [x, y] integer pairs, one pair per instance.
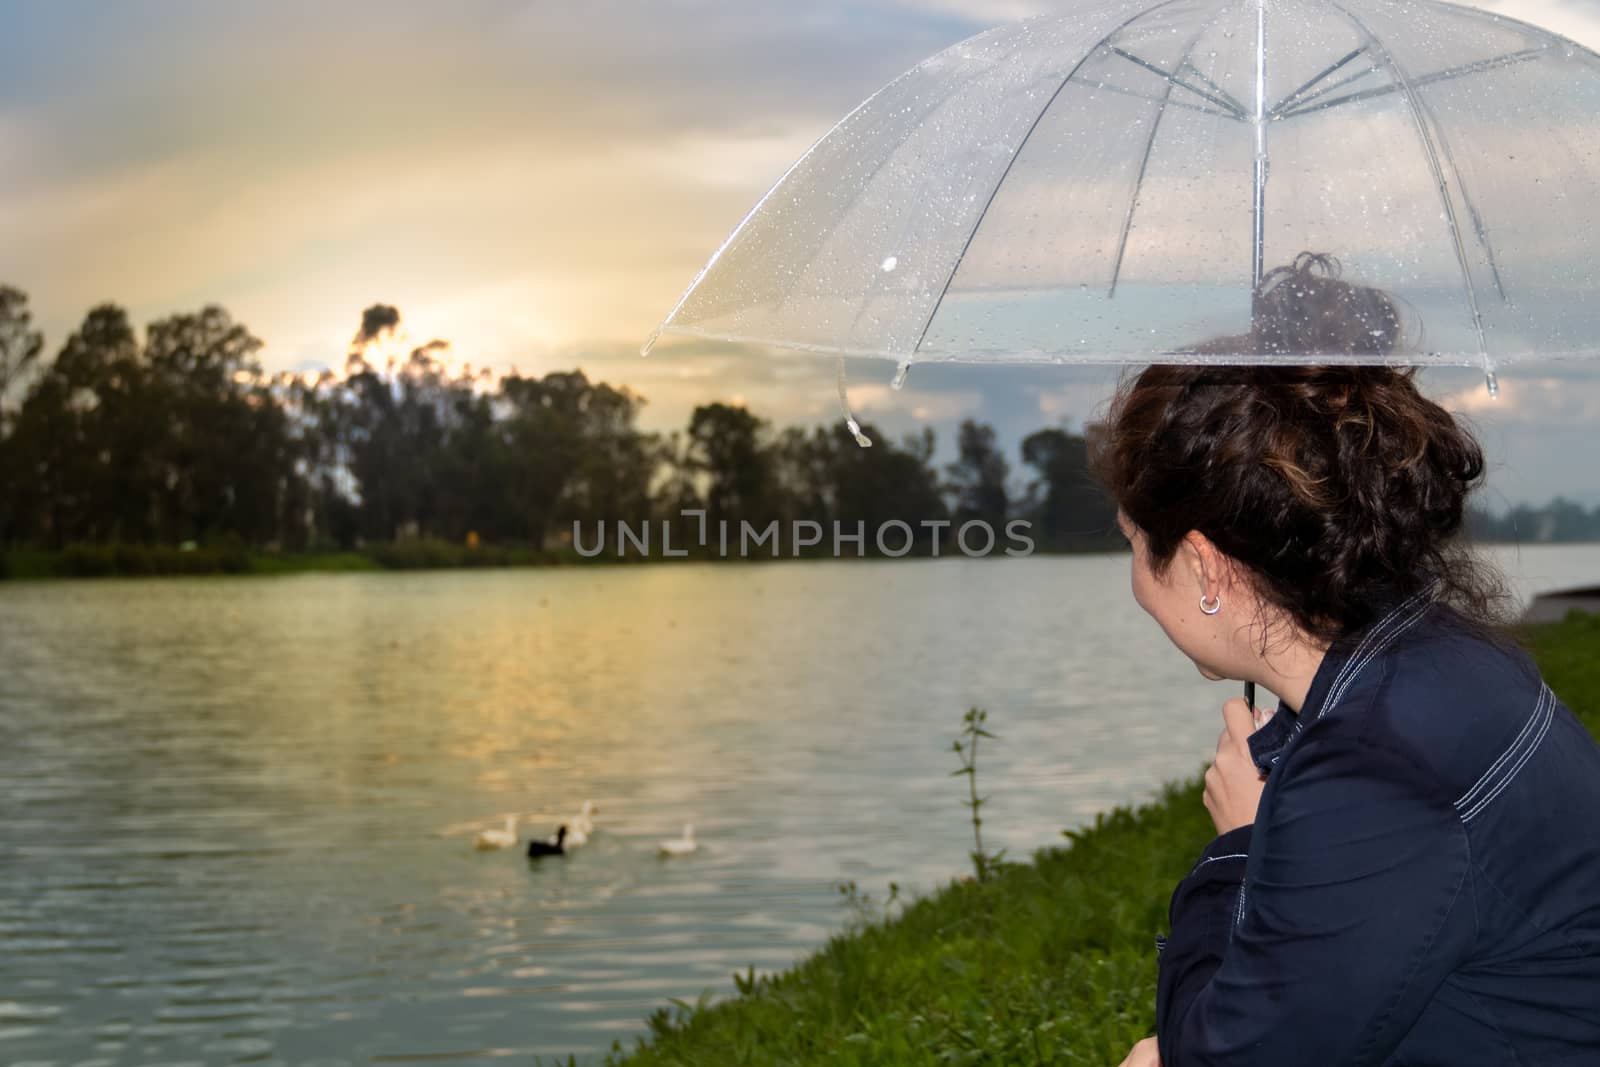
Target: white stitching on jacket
{"points": [[1229, 856], [1371, 645], [1373, 635], [1544, 711], [1336, 693], [1470, 796]]}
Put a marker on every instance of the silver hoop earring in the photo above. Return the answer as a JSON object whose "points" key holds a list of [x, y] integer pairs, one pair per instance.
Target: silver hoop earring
{"points": [[1216, 604]]}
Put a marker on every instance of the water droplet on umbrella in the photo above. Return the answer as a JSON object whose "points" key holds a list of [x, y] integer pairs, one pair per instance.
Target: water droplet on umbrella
{"points": [[889, 264]]}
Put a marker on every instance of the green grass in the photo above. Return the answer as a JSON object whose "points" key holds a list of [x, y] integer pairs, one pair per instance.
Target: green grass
{"points": [[311, 562], [98, 561], [1047, 962], [103, 561]]}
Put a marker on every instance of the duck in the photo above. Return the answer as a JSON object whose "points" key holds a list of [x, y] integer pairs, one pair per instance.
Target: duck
{"points": [[582, 826], [540, 849], [680, 846], [488, 839]]}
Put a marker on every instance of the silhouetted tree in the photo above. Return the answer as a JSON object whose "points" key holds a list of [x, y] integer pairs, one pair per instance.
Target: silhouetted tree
{"points": [[977, 480], [20, 346], [85, 436], [728, 450], [1067, 506], [181, 437], [885, 483], [224, 454]]}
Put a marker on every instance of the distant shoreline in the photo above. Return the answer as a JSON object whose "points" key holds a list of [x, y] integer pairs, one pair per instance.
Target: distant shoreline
{"points": [[130, 561], [133, 561]]}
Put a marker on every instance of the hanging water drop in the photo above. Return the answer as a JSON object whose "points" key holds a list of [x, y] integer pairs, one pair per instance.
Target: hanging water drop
{"points": [[844, 409], [1491, 381]]}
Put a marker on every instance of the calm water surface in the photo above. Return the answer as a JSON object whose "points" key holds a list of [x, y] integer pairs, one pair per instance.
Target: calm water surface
{"points": [[238, 813]]}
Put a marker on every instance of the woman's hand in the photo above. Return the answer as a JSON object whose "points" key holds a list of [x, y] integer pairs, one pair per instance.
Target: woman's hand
{"points": [[1233, 784], [1144, 1054]]}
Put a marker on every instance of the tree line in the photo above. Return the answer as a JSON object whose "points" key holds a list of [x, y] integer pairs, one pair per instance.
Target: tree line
{"points": [[181, 437], [1561, 520]]}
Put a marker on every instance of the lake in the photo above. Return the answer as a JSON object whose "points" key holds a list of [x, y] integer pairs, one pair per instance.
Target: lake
{"points": [[238, 813]]}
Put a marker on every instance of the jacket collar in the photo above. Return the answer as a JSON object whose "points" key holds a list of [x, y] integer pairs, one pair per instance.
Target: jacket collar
{"points": [[1341, 665]]}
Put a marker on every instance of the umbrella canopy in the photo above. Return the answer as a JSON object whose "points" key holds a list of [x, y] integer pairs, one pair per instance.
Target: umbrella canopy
{"points": [[1118, 185]]}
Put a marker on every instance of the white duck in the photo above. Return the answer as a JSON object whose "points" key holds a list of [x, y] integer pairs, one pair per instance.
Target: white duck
{"points": [[488, 839], [680, 846], [581, 826]]}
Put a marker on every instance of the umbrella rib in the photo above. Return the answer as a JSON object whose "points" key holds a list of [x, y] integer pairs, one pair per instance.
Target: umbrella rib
{"points": [[1304, 104], [938, 106], [1219, 90], [1278, 108], [1551, 40], [1102, 87], [1421, 120], [1171, 77], [1307, 107], [978, 222], [737, 230], [1144, 162]]}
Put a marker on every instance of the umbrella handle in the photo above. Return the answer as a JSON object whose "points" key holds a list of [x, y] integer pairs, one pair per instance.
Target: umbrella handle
{"points": [[1250, 696]]}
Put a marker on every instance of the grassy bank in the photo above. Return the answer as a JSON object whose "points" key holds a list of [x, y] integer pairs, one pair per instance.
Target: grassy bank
{"points": [[100, 561], [1049, 962]]}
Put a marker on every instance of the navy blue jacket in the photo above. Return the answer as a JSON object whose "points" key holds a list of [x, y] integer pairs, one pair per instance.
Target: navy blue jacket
{"points": [[1422, 881]]}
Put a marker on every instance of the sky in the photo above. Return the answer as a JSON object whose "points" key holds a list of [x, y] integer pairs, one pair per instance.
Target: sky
{"points": [[535, 182]]}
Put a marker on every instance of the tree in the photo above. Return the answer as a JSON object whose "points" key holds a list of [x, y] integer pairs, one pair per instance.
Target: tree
{"points": [[887, 483], [1068, 508], [80, 426], [545, 435], [616, 464], [728, 450], [825, 477], [977, 480], [20, 346], [225, 454]]}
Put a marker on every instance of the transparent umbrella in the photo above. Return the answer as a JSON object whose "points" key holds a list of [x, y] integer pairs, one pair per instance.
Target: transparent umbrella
{"points": [[1118, 185]]}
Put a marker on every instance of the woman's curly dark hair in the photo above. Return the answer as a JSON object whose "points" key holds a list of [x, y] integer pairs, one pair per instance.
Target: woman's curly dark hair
{"points": [[1340, 488]]}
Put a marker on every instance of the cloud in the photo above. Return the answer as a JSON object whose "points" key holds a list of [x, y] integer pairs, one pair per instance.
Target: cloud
{"points": [[988, 12], [356, 77], [1577, 19], [1530, 397]]}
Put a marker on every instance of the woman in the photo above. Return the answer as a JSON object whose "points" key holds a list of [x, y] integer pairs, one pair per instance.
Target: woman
{"points": [[1407, 866]]}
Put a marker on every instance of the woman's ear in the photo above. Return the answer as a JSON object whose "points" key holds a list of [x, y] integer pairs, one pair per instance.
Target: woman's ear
{"points": [[1211, 570], [1193, 553]]}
